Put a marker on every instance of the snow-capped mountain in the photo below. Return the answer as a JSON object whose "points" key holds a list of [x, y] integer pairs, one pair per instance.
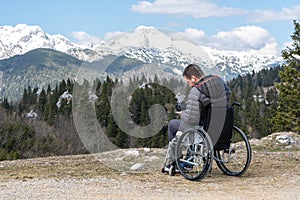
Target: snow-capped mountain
{"points": [[29, 56], [23, 38], [233, 63], [152, 45], [145, 44]]}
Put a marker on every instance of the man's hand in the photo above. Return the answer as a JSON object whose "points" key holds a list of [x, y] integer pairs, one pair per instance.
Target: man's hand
{"points": [[178, 134]]}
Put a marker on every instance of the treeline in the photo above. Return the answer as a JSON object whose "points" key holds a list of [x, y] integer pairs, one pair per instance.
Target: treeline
{"points": [[259, 101], [146, 93], [270, 98], [41, 123], [36, 126]]}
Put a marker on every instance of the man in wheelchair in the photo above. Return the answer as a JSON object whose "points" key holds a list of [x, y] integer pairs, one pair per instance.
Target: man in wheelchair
{"points": [[208, 98]]}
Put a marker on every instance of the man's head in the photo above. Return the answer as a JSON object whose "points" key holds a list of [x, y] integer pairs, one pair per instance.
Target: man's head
{"points": [[192, 74]]}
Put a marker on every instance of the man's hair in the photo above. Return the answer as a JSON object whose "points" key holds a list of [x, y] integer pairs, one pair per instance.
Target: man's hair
{"points": [[194, 70]]}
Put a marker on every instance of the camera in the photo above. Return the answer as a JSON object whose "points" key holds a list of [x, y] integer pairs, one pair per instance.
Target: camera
{"points": [[180, 106]]}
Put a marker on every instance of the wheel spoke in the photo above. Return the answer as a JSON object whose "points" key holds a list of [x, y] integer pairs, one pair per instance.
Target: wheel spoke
{"points": [[195, 147], [236, 160]]}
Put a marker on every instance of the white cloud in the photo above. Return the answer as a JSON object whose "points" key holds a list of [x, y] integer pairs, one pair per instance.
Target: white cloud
{"points": [[195, 8], [260, 16], [248, 36], [206, 9], [85, 38], [194, 33], [244, 38]]}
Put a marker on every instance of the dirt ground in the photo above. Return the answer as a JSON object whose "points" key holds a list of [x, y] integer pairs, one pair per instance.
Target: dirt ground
{"points": [[271, 175]]}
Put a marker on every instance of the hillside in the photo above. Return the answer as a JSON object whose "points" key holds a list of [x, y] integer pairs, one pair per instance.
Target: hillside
{"points": [[39, 67], [273, 174]]}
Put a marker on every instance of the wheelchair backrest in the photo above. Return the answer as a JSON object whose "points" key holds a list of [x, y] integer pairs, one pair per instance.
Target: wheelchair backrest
{"points": [[205, 119], [214, 84], [226, 133]]}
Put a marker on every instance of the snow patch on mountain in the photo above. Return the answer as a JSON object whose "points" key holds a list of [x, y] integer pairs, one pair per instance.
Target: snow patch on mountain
{"points": [[146, 44], [23, 38]]}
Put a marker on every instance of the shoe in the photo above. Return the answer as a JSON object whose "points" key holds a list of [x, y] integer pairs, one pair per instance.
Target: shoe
{"points": [[186, 166], [165, 169]]}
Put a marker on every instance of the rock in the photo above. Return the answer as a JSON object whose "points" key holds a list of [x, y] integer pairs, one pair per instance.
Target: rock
{"points": [[152, 158], [137, 167], [123, 174], [285, 139], [132, 153], [147, 150]]}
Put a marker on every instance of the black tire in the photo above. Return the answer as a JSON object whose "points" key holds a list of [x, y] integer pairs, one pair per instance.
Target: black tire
{"points": [[235, 160], [195, 152]]}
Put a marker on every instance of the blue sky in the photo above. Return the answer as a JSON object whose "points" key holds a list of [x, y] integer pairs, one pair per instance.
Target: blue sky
{"points": [[258, 25]]}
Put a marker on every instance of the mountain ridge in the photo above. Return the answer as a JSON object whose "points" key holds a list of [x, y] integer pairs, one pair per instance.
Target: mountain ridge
{"points": [[145, 50], [23, 38]]}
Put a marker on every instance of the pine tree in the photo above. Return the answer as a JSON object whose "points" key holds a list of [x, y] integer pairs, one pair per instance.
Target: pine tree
{"points": [[103, 108], [156, 80], [5, 104], [112, 127], [62, 87], [48, 90], [69, 85], [121, 139], [287, 117], [42, 101]]}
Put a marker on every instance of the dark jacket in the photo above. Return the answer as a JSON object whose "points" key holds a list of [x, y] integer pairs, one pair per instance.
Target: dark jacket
{"points": [[209, 91]]}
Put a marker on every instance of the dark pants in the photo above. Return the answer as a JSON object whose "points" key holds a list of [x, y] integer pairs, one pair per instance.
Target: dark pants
{"points": [[173, 128]]}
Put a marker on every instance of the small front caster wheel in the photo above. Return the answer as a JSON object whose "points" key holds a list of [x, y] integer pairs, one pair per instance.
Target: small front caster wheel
{"points": [[172, 171]]}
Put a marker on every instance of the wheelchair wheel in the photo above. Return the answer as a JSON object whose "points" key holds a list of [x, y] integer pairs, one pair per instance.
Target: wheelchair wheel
{"points": [[194, 151], [235, 160]]}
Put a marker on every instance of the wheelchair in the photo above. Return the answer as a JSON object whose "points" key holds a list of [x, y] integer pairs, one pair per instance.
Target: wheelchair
{"points": [[194, 152]]}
